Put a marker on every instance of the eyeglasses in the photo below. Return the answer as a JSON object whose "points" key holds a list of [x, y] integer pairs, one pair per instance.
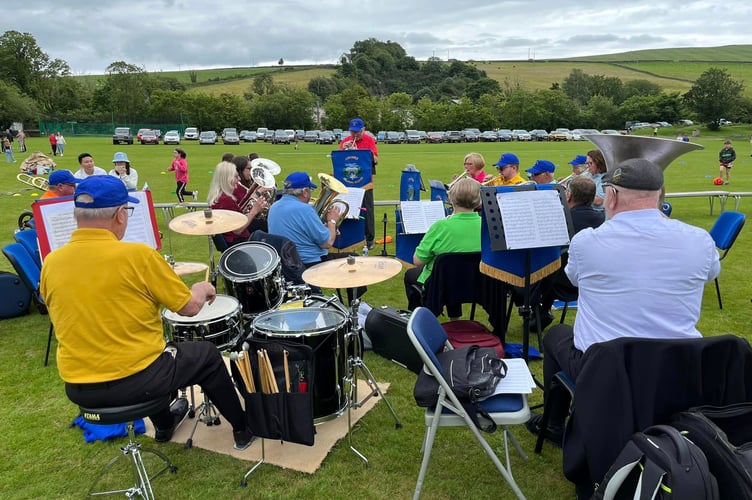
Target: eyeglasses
{"points": [[468, 163], [129, 210]]}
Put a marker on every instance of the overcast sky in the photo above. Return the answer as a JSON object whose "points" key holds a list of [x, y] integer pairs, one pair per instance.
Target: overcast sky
{"points": [[185, 34]]}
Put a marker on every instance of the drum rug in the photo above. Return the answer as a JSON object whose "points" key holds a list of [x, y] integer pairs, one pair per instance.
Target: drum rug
{"points": [[287, 455]]}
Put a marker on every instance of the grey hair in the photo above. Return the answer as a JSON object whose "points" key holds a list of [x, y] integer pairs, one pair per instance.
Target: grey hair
{"points": [[295, 192], [93, 213]]}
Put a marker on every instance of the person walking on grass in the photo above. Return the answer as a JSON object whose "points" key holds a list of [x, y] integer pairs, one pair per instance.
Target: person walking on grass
{"points": [[180, 167], [726, 159]]}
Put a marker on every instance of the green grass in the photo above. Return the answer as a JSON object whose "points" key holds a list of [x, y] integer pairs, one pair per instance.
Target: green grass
{"points": [[45, 459]]}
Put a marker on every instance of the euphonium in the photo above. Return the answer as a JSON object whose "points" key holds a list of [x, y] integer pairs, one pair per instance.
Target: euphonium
{"points": [[330, 188], [263, 185], [37, 182]]}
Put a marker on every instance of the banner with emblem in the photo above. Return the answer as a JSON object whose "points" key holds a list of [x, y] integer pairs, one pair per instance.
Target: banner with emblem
{"points": [[353, 167]]}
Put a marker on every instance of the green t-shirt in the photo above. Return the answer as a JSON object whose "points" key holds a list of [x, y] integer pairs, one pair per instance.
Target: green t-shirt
{"points": [[459, 233]]}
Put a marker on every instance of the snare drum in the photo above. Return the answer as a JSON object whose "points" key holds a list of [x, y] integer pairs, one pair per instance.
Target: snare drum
{"points": [[324, 330], [252, 273], [219, 323]]}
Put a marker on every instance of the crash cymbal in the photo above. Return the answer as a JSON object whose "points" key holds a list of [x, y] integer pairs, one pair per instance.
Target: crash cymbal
{"points": [[182, 268], [208, 222], [351, 272]]}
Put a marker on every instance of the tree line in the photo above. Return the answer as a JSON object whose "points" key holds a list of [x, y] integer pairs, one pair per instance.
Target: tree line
{"points": [[377, 81]]}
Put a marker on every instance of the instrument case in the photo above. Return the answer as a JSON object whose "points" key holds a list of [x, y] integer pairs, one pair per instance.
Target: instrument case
{"points": [[387, 329], [465, 332], [16, 297]]}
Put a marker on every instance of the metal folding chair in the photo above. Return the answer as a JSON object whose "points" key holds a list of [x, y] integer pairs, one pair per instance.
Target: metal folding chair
{"points": [[429, 338], [724, 232]]}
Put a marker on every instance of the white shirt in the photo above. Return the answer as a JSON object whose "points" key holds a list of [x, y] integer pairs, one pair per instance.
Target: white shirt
{"points": [[130, 181], [81, 174], [640, 275]]}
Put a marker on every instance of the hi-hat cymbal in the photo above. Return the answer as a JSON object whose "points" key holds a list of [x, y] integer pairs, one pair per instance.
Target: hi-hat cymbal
{"points": [[198, 224], [351, 272], [182, 268]]}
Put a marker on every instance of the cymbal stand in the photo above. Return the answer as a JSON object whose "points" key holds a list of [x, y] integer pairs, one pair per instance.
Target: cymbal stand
{"points": [[354, 363], [212, 266], [207, 413]]}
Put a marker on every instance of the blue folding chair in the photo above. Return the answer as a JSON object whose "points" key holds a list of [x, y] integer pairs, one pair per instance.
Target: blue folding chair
{"points": [[429, 338], [28, 238], [30, 274], [724, 232]]}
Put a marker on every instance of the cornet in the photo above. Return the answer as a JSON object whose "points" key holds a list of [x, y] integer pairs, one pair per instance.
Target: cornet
{"points": [[461, 176], [37, 182], [330, 188]]}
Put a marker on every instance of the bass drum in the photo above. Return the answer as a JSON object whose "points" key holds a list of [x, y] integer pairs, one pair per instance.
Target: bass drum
{"points": [[320, 323], [252, 273], [219, 323]]}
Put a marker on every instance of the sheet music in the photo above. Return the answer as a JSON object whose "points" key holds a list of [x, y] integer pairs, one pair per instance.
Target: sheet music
{"points": [[518, 379], [419, 216], [354, 199], [533, 219]]}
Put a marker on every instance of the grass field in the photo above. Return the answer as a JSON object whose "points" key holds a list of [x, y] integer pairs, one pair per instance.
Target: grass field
{"points": [[45, 459]]}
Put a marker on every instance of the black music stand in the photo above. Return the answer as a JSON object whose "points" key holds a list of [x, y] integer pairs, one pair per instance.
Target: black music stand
{"points": [[525, 225]]}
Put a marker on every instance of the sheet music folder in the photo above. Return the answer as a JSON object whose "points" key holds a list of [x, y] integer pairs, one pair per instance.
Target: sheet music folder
{"points": [[527, 216]]}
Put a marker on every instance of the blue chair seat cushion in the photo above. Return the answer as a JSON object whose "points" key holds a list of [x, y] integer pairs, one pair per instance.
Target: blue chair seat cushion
{"points": [[501, 403]]}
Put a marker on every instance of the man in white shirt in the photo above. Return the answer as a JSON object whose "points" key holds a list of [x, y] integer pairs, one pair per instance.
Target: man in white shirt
{"points": [[639, 274], [87, 167]]}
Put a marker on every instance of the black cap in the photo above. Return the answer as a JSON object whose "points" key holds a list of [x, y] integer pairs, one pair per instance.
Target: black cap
{"points": [[636, 173]]}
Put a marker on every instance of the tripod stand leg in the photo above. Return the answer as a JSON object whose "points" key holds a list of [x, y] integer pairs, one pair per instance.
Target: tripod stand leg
{"points": [[375, 390]]}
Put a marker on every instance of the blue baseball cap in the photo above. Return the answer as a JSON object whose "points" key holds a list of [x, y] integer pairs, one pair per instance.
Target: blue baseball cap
{"points": [[62, 177], [579, 160], [507, 159], [356, 125], [540, 167], [299, 180], [106, 190], [120, 157]]}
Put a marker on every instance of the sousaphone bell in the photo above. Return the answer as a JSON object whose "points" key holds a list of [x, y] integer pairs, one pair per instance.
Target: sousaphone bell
{"points": [[617, 148]]}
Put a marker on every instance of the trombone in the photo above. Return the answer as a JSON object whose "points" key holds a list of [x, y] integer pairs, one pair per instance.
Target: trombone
{"points": [[37, 182]]}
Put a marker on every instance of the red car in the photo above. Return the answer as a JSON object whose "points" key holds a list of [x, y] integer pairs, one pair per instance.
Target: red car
{"points": [[148, 137]]}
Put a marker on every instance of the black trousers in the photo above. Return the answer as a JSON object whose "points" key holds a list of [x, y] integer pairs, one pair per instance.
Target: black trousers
{"points": [[193, 363], [181, 192], [415, 297], [559, 354], [368, 205]]}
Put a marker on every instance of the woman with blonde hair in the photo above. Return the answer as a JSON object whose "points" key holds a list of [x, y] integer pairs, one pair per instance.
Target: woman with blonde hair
{"points": [[474, 164], [221, 196]]}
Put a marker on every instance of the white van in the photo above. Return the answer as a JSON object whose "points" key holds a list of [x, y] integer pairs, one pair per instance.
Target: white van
{"points": [[261, 133]]}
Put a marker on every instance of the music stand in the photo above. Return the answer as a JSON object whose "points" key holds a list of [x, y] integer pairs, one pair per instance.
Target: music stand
{"points": [[523, 230]]}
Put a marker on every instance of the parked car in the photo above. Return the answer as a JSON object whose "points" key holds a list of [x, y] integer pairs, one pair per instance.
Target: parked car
{"points": [[311, 136], [380, 136], [539, 135], [231, 137], [610, 131], [172, 137], [299, 134], [326, 137], [149, 137], [122, 135], [435, 137], [488, 136], [423, 135], [190, 134], [685, 122], [392, 137], [337, 133], [724, 121], [140, 132], [505, 135], [471, 136], [261, 133], [453, 136], [521, 135], [412, 137], [207, 137], [560, 134], [280, 137], [229, 129], [247, 136]]}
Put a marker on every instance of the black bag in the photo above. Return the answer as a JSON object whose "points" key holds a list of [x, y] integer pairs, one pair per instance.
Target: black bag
{"points": [[473, 373], [664, 464], [16, 297], [387, 329], [724, 434]]}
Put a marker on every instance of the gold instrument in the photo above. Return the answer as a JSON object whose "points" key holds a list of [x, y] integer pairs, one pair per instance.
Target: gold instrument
{"points": [[617, 148], [565, 180], [37, 182], [330, 188], [351, 144], [263, 186], [491, 181], [461, 176]]}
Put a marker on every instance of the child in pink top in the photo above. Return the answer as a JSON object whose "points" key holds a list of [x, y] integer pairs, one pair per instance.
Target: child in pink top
{"points": [[180, 166]]}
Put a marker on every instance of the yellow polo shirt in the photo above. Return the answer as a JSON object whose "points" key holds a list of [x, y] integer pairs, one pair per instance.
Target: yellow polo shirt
{"points": [[104, 298]]}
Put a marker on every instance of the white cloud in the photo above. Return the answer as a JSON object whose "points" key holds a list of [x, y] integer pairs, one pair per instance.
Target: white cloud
{"points": [[172, 34]]}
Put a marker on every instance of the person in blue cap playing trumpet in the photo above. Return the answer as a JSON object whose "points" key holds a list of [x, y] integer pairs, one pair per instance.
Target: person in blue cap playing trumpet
{"points": [[542, 172]]}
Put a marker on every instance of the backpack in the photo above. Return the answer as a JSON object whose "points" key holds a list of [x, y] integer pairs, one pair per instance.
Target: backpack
{"points": [[473, 373], [724, 434], [659, 463]]}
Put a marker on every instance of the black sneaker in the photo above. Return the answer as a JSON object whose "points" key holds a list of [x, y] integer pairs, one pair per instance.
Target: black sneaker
{"points": [[243, 439], [553, 434], [179, 409]]}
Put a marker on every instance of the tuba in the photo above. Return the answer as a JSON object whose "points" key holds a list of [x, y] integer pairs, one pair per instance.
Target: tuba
{"points": [[330, 188], [617, 148], [37, 182]]}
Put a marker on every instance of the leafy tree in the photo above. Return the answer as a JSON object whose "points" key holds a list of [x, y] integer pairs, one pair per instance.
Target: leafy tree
{"points": [[14, 106], [263, 84], [482, 86], [577, 86], [25, 65], [600, 113], [714, 95], [281, 61], [322, 87]]}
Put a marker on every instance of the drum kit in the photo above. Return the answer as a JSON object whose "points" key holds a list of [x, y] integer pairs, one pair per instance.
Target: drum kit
{"points": [[260, 304]]}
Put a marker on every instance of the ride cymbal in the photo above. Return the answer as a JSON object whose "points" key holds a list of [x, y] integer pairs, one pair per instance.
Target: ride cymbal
{"points": [[352, 272], [208, 222]]}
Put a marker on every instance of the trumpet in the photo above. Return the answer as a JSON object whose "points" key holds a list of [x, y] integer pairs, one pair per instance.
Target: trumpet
{"points": [[37, 182], [330, 188], [461, 176], [492, 181], [350, 144], [565, 180]]}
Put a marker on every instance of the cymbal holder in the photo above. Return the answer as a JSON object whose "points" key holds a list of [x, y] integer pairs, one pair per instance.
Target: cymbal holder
{"points": [[354, 364]]}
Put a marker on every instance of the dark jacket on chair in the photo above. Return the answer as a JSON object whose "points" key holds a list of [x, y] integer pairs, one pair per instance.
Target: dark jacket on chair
{"points": [[629, 384], [292, 266]]}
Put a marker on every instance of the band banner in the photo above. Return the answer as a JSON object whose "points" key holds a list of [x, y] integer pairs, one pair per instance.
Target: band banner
{"points": [[353, 167], [510, 265]]}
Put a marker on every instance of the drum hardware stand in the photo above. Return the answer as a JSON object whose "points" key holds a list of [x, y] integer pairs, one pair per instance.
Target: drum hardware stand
{"points": [[355, 363], [207, 413], [385, 220]]}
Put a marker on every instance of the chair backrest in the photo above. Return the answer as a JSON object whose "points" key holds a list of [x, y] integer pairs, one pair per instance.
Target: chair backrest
{"points": [[428, 337], [292, 265], [726, 228], [220, 243], [24, 265], [455, 279], [28, 238]]}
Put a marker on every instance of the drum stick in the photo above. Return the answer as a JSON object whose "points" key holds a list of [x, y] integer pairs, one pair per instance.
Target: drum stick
{"points": [[262, 372], [206, 275], [249, 371], [273, 387], [237, 358], [287, 372]]}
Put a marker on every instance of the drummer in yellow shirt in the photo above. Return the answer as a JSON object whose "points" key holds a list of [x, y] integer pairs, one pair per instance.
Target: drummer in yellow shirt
{"points": [[509, 171]]}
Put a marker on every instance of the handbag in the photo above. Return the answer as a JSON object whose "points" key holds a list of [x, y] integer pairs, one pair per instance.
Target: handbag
{"points": [[472, 372]]}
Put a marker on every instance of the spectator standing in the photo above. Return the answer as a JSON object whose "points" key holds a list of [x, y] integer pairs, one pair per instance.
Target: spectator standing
{"points": [[9, 156], [21, 141], [53, 144], [726, 160], [60, 142]]}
